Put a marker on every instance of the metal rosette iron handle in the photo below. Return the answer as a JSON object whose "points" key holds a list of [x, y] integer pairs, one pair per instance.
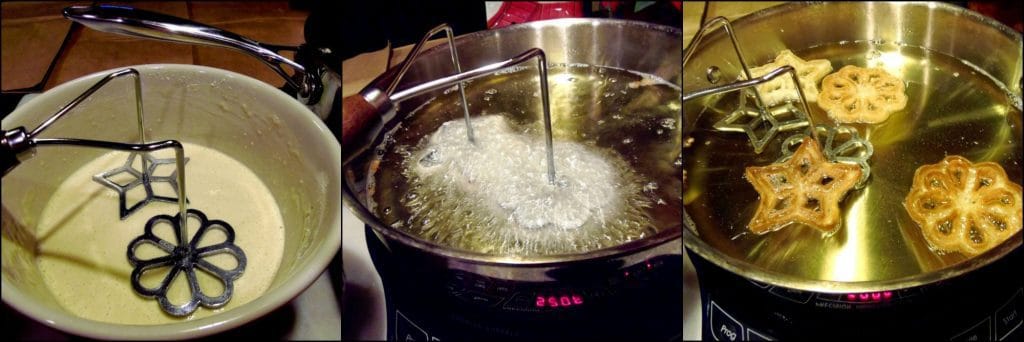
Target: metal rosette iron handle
{"points": [[854, 150], [19, 144]]}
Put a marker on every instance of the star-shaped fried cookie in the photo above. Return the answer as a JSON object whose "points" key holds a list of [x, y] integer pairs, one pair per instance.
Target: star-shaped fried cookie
{"points": [[964, 207], [782, 88], [805, 189], [865, 95]]}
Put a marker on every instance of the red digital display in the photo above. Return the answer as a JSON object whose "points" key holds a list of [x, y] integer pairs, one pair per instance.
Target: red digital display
{"points": [[559, 301], [869, 297]]}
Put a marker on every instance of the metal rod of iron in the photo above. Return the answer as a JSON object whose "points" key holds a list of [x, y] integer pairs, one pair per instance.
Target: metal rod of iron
{"points": [[485, 70], [462, 88], [138, 106], [803, 101], [88, 92], [455, 62], [735, 46], [542, 67], [142, 146], [786, 69], [139, 117]]}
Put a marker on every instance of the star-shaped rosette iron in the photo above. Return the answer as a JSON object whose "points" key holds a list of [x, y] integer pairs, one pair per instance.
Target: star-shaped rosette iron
{"points": [[842, 145], [145, 177], [185, 257], [760, 127]]}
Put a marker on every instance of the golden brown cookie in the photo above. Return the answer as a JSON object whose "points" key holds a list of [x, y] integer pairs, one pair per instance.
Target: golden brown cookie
{"points": [[782, 89], [962, 207], [865, 95], [805, 189]]}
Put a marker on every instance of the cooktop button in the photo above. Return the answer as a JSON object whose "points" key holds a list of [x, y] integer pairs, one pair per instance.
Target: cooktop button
{"points": [[480, 285], [478, 298], [521, 302], [905, 293], [723, 326], [1008, 317], [759, 284], [753, 335], [799, 297], [978, 332], [406, 330]]}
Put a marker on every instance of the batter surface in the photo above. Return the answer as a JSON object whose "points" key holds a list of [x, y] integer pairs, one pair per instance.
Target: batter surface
{"points": [[83, 242]]}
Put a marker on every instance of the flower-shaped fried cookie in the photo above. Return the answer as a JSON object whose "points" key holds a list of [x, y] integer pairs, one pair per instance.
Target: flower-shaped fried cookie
{"points": [[186, 257], [782, 88], [805, 189], [865, 95], [963, 207]]}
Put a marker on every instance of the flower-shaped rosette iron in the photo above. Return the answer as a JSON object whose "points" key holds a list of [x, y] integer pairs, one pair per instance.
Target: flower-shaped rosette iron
{"points": [[186, 257]]}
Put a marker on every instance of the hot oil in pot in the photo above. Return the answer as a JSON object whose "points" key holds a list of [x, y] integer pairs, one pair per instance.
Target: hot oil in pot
{"points": [[617, 150], [953, 108]]}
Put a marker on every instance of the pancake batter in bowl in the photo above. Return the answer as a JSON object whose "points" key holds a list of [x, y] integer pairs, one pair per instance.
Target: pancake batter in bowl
{"points": [[83, 242]]}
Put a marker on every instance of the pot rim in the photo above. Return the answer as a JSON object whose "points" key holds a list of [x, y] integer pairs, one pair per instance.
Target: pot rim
{"points": [[665, 235], [745, 269]]}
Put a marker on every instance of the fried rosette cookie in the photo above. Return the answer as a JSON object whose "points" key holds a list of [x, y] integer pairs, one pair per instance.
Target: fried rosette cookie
{"points": [[805, 189], [782, 89], [964, 207], [864, 95]]}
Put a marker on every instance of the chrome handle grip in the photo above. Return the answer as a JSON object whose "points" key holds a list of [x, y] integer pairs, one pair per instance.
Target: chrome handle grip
{"points": [[145, 24]]}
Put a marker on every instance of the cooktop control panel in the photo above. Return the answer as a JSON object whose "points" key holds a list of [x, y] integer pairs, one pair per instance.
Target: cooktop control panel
{"points": [[637, 302], [554, 297], [984, 305], [842, 301], [1003, 324]]}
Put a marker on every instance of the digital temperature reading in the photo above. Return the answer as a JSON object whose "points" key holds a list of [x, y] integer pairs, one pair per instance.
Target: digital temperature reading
{"points": [[869, 297], [559, 301]]}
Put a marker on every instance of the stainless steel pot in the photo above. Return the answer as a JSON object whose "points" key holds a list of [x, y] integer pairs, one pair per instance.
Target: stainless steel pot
{"points": [[637, 46], [881, 255]]}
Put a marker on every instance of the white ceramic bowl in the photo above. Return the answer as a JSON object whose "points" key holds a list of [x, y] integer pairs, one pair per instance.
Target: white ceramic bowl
{"points": [[281, 141]]}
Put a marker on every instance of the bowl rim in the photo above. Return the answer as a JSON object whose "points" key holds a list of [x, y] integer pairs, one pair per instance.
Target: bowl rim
{"points": [[265, 303]]}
